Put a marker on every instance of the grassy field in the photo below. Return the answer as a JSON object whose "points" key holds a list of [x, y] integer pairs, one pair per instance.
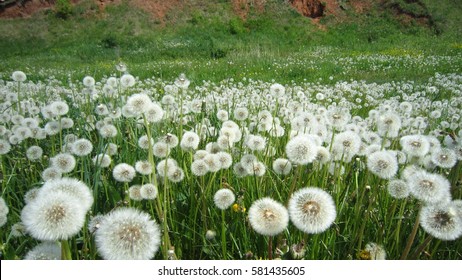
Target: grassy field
{"points": [[352, 129]]}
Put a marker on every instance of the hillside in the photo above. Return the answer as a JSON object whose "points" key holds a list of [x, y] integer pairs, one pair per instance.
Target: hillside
{"points": [[93, 35]]}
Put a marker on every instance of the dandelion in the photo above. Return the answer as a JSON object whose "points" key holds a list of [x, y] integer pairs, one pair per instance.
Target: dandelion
{"points": [[127, 80], [108, 131], [34, 153], [444, 158], [111, 149], [225, 160], [5, 147], [199, 167], [19, 76], [258, 169], [210, 234], [182, 81], [428, 187], [59, 108], [323, 155], [123, 172], [241, 114], [239, 170], [375, 251], [143, 167], [213, 162], [312, 210], [222, 115], [52, 217], [31, 195], [389, 125], [166, 167], [3, 207], [398, 188], [160, 150], [277, 90], [134, 192], [256, 143], [63, 162], [128, 234], [346, 145], [144, 142], [415, 145], [441, 221], [71, 187], [148, 191], [170, 139], [95, 223], [45, 251], [82, 147], [154, 113], [301, 150], [383, 164], [176, 176], [138, 103], [102, 160], [282, 166], [224, 198], [18, 230], [189, 141], [88, 81], [268, 217]]}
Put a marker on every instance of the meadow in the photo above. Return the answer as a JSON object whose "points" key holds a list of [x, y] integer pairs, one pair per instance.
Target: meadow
{"points": [[190, 146]]}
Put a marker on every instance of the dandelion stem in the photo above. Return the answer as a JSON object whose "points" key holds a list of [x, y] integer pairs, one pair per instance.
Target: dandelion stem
{"points": [[270, 248], [422, 246], [411, 236], [65, 250], [223, 235]]}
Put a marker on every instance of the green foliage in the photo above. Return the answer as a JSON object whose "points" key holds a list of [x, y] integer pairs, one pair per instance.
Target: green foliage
{"points": [[63, 9]]}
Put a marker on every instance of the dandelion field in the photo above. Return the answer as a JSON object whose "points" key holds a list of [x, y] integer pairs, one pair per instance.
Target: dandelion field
{"points": [[130, 168]]}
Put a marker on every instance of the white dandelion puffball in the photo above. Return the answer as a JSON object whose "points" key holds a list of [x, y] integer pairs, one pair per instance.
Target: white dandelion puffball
{"points": [[301, 150], [123, 172], [429, 187], [224, 198], [398, 188], [45, 251], [148, 191], [128, 234], [268, 217], [82, 147], [52, 217], [441, 221], [312, 210], [18, 76], [383, 164], [189, 141], [282, 166], [63, 162], [70, 186]]}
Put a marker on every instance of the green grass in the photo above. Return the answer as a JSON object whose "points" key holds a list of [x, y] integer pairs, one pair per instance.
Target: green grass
{"points": [[89, 43]]}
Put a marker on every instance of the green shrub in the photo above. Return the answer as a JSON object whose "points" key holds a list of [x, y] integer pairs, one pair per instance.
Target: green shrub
{"points": [[63, 9]]}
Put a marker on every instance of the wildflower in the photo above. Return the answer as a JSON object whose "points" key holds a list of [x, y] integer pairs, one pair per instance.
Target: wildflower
{"points": [[177, 175], [127, 234], [127, 80], [63, 162], [256, 143], [428, 187], [268, 217], [189, 141], [199, 167], [72, 187], [18, 76], [52, 217], [45, 251], [108, 131], [415, 145], [31, 195], [239, 170], [160, 150], [82, 147], [441, 221], [95, 223], [383, 164], [225, 160], [34, 153], [346, 145], [102, 160], [241, 114], [5, 147], [323, 155], [134, 192], [148, 191], [59, 108], [154, 113], [166, 167], [144, 142], [222, 115], [282, 166], [170, 139], [182, 81], [123, 172], [312, 210], [388, 125], [398, 188], [444, 158], [301, 150], [88, 81], [224, 198]]}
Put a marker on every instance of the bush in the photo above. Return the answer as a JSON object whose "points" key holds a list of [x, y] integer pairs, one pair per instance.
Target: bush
{"points": [[63, 9]]}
